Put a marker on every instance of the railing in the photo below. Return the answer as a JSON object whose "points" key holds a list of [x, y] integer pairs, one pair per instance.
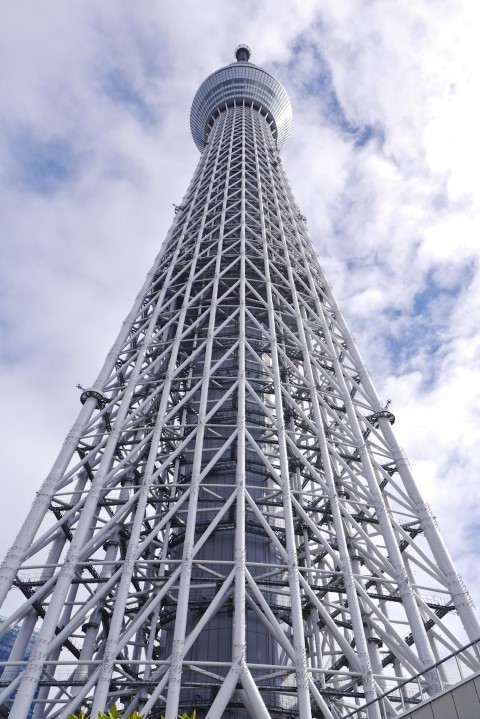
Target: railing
{"points": [[411, 692], [404, 694]]}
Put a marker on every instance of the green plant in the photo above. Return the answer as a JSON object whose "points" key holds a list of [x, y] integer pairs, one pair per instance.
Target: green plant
{"points": [[115, 713], [81, 715]]}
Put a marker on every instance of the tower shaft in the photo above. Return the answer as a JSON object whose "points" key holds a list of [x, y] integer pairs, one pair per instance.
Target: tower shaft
{"points": [[231, 525]]}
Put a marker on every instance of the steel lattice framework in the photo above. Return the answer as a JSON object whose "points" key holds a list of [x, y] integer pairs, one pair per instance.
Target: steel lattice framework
{"points": [[231, 525]]}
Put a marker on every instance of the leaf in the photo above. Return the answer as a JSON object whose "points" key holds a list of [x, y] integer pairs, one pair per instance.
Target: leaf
{"points": [[82, 714], [114, 713]]}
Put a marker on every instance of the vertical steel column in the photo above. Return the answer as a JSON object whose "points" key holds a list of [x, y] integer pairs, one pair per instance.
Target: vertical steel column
{"points": [[34, 667], [304, 707], [404, 586], [357, 622], [178, 648], [239, 650], [15, 555]]}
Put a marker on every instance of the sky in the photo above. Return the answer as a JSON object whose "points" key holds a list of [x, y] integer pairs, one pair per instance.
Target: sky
{"points": [[95, 150]]}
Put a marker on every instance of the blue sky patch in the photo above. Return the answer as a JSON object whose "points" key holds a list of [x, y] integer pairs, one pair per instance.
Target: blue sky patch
{"points": [[433, 292], [120, 89], [41, 165], [320, 86], [422, 333]]}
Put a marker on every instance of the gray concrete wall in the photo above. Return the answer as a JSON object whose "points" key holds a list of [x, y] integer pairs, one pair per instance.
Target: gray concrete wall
{"points": [[461, 702]]}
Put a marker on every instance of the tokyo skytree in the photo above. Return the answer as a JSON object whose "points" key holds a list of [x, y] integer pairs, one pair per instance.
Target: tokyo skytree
{"points": [[231, 525]]}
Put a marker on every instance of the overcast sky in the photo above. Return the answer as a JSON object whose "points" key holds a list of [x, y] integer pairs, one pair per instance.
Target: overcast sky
{"points": [[384, 161]]}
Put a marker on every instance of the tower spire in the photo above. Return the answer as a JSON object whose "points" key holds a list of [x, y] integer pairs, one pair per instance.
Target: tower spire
{"points": [[231, 525], [242, 53]]}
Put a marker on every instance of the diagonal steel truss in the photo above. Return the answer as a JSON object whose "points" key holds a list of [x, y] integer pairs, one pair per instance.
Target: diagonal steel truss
{"points": [[231, 525]]}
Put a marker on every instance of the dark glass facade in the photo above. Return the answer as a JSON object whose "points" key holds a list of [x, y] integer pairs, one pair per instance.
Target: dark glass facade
{"points": [[6, 645]]}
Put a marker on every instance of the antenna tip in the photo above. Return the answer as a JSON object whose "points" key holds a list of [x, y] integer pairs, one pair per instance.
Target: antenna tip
{"points": [[242, 53]]}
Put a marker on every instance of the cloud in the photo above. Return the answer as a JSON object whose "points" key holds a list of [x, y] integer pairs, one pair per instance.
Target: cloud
{"points": [[95, 148]]}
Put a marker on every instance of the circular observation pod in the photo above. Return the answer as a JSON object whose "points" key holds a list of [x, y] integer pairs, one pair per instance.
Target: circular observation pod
{"points": [[234, 83]]}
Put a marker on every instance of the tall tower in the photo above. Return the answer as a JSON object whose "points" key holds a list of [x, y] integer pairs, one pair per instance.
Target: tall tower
{"points": [[231, 525]]}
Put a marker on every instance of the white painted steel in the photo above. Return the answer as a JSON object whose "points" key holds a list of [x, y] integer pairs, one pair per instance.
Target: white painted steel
{"points": [[231, 525]]}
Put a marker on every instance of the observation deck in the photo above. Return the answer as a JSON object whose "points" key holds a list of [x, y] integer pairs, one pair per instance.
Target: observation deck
{"points": [[233, 84]]}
